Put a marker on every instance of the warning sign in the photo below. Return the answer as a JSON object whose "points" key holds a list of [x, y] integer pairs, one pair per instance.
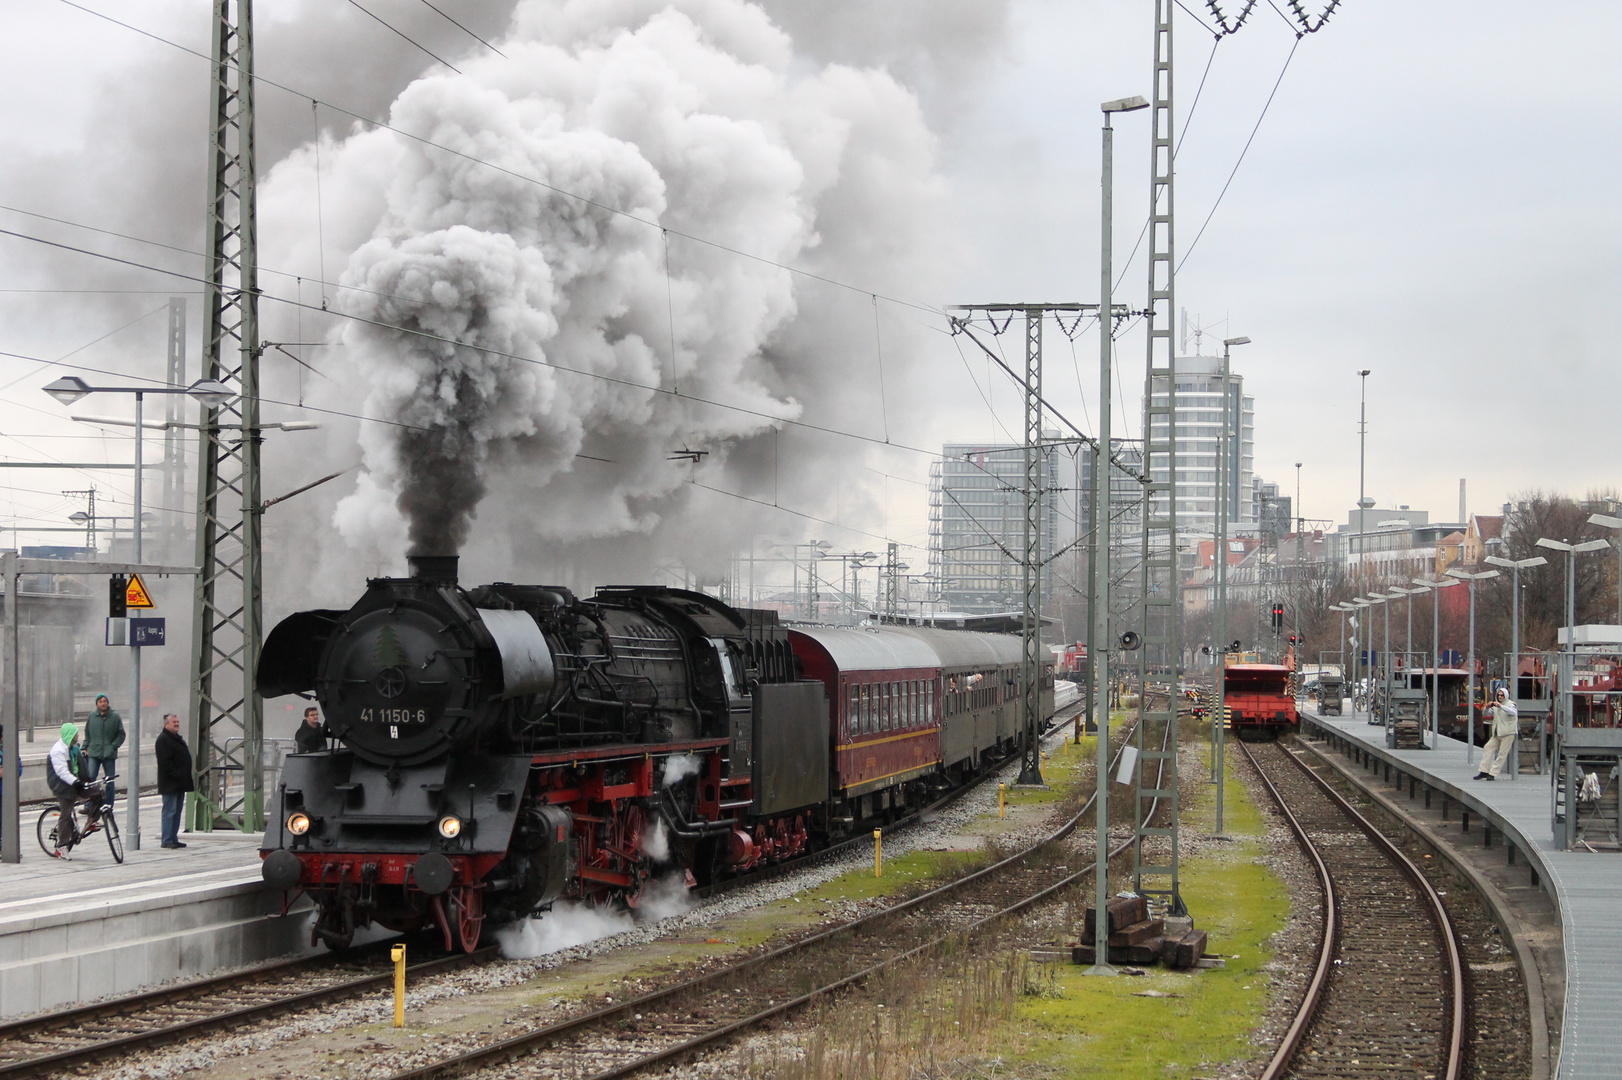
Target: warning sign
{"points": [[135, 595]]}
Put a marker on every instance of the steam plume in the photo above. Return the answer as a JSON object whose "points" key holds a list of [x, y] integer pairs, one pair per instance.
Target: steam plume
{"points": [[508, 328]]}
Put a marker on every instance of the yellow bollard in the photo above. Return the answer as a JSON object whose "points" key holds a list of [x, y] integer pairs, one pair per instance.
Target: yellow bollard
{"points": [[878, 852], [1002, 792], [397, 954]]}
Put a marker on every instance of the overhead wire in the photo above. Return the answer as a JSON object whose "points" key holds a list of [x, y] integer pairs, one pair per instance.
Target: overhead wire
{"points": [[403, 35], [464, 29], [584, 200], [441, 339], [1235, 171]]}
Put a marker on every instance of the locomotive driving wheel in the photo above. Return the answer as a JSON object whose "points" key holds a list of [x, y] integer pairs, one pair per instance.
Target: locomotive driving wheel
{"points": [[467, 909]]}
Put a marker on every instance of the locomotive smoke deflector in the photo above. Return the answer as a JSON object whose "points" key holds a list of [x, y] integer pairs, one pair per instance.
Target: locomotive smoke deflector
{"points": [[526, 660]]}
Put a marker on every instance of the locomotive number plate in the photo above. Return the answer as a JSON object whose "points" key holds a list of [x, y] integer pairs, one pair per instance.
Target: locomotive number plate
{"points": [[394, 716]]}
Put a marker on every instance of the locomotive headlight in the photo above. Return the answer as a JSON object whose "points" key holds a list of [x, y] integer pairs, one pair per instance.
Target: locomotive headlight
{"points": [[298, 824], [450, 827]]}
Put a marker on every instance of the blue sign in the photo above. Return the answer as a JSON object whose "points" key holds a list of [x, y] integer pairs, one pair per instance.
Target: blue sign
{"points": [[1371, 657], [1452, 658], [146, 632]]}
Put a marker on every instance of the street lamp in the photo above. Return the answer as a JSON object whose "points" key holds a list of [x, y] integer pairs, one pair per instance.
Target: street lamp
{"points": [[1223, 511], [1389, 661], [1470, 710], [1408, 642], [1343, 608], [1436, 588], [1569, 653], [1360, 631], [1098, 614], [1515, 566], [1608, 522], [211, 393]]}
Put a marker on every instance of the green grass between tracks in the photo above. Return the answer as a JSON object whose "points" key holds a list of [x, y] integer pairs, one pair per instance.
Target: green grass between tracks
{"points": [[1098, 1027]]}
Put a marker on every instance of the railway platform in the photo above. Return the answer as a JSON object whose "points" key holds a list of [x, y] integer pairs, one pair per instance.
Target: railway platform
{"points": [[84, 927], [1585, 886]]}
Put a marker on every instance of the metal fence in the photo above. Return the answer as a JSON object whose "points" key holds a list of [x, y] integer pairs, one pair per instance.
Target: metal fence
{"points": [[228, 777]]}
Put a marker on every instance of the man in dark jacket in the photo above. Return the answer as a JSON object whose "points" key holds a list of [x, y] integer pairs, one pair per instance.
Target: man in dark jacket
{"points": [[311, 735], [103, 735], [174, 777]]}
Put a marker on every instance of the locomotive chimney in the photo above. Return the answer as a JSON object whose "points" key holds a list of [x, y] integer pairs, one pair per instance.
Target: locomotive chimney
{"points": [[433, 569]]}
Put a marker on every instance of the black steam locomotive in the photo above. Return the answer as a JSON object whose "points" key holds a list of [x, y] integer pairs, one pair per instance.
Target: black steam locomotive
{"points": [[509, 745]]}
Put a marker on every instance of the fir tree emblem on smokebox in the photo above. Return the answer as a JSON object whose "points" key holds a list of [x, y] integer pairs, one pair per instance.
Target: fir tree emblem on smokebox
{"points": [[390, 656]]}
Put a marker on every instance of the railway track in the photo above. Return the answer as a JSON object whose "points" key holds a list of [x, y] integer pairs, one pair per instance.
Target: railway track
{"points": [[1386, 997], [50, 1045], [46, 1045], [666, 1025]]}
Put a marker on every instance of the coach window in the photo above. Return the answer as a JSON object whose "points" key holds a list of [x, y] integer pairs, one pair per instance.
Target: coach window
{"points": [[860, 724], [853, 710], [915, 714]]}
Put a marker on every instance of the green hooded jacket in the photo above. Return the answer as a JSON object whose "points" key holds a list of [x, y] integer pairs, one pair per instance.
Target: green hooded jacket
{"points": [[103, 735]]}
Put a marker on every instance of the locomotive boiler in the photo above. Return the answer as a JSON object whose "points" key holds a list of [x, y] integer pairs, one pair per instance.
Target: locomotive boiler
{"points": [[507, 746]]}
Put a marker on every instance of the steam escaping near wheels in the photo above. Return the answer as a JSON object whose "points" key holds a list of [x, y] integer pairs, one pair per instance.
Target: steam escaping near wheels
{"points": [[569, 924]]}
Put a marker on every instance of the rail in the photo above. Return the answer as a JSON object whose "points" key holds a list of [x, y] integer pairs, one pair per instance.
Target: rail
{"points": [[1313, 1000], [509, 1050]]}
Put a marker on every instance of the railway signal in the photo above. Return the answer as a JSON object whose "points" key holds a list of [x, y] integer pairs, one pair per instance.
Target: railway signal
{"points": [[1278, 617]]}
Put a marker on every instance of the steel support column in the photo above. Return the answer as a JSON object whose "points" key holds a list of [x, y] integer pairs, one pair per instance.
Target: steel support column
{"points": [[1030, 677], [1155, 870], [226, 715]]}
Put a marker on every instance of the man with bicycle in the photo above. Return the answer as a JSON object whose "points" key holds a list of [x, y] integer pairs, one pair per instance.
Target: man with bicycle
{"points": [[65, 775]]}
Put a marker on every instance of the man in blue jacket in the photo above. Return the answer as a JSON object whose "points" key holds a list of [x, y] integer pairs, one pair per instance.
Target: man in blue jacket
{"points": [[103, 735]]}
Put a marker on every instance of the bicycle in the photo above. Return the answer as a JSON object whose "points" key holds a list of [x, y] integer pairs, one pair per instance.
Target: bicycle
{"points": [[50, 820]]}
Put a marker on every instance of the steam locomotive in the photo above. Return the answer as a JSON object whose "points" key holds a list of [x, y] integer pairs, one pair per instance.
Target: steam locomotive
{"points": [[504, 747]]}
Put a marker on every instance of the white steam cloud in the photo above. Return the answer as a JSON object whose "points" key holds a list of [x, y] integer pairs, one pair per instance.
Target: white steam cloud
{"points": [[678, 767], [570, 924], [535, 240]]}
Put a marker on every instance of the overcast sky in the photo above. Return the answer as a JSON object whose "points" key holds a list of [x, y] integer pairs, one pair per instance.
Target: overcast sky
{"points": [[1427, 197]]}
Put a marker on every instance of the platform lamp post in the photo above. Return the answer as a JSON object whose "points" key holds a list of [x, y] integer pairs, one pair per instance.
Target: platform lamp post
{"points": [[1515, 566], [211, 393], [1394, 593], [1362, 631], [1606, 521], [1408, 642], [1224, 511], [1470, 707], [1569, 653], [1098, 612], [1436, 588], [1341, 644]]}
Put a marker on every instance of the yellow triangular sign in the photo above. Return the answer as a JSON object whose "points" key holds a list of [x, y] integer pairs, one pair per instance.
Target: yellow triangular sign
{"points": [[136, 595]]}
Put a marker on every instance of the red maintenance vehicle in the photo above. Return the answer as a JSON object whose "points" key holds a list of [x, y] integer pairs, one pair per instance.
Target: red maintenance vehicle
{"points": [[1260, 697]]}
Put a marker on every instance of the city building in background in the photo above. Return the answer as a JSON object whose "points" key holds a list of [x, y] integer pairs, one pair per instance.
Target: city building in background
{"points": [[1199, 417], [977, 520]]}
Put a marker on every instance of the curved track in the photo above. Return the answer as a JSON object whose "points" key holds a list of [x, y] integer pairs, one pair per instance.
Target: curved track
{"points": [[664, 1026], [1387, 994]]}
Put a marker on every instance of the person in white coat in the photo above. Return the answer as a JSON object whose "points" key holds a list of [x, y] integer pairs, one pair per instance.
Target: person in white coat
{"points": [[1505, 726]]}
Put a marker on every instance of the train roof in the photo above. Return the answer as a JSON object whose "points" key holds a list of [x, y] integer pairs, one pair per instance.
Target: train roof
{"points": [[886, 647], [868, 650], [966, 648], [1278, 668]]}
